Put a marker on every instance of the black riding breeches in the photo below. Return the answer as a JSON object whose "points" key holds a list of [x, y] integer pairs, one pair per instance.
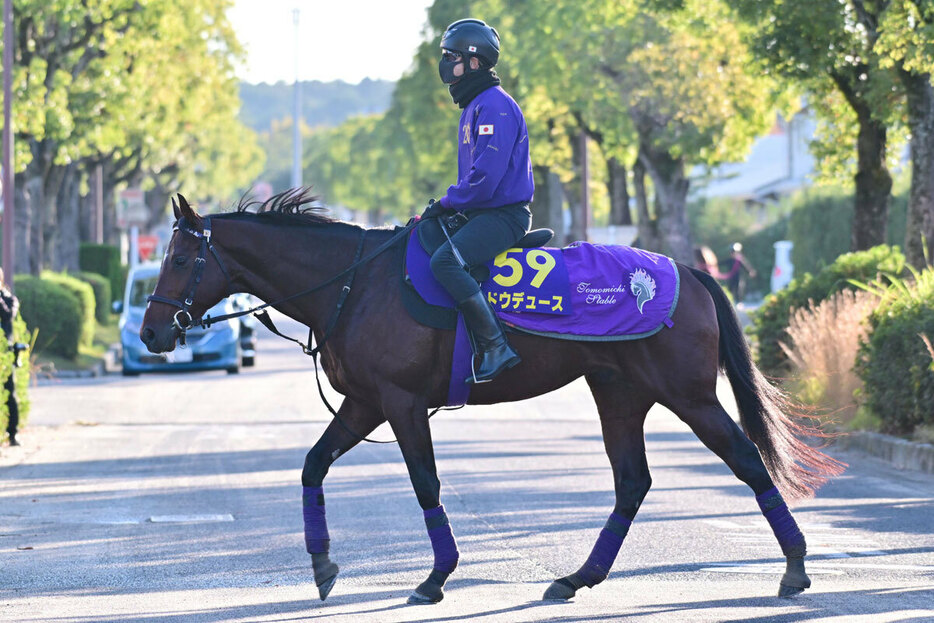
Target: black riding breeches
{"points": [[488, 232]]}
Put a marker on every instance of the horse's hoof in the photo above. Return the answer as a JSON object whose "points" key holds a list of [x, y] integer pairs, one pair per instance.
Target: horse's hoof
{"points": [[419, 598], [328, 575], [559, 591], [789, 591]]}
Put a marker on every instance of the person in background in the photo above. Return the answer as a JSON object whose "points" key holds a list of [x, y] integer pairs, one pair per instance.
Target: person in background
{"points": [[735, 280], [9, 307]]}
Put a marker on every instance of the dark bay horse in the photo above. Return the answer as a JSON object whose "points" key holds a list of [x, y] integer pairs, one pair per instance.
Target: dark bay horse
{"points": [[390, 368]]}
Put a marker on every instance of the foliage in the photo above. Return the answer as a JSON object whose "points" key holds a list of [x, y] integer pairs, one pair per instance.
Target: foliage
{"points": [[84, 293], [824, 341], [895, 362], [772, 318], [54, 311], [21, 375], [104, 259], [102, 297]]}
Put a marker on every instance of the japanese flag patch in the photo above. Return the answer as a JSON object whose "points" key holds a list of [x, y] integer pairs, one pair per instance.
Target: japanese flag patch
{"points": [[486, 129]]}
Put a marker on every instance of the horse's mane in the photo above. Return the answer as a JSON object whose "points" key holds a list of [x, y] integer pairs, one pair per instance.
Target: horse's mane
{"points": [[296, 206]]}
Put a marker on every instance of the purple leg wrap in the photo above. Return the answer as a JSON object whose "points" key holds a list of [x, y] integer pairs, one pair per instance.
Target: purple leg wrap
{"points": [[604, 552], [317, 540], [442, 539], [783, 524]]}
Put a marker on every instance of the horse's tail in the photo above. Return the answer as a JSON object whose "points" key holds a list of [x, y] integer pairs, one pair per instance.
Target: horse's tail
{"points": [[768, 416]]}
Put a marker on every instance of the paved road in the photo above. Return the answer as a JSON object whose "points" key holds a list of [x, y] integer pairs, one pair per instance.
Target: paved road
{"points": [[177, 498]]}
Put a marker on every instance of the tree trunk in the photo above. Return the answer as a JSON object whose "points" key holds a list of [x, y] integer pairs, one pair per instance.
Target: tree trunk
{"points": [[68, 238], [573, 191], [546, 208], [36, 200], [873, 185], [648, 225], [671, 191], [23, 225], [619, 193], [920, 227]]}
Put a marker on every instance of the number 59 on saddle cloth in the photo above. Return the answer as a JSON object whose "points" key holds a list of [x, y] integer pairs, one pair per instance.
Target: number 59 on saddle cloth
{"points": [[582, 292]]}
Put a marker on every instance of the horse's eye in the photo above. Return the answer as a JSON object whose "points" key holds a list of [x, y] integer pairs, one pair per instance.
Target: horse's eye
{"points": [[180, 260]]}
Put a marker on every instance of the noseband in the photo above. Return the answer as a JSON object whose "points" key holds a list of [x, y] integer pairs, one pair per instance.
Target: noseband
{"points": [[183, 320]]}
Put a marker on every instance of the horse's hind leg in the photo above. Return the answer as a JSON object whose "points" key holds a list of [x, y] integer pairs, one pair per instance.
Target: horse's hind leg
{"points": [[622, 417], [717, 430], [335, 441]]}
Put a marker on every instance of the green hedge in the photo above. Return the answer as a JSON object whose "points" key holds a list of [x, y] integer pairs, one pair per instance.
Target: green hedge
{"points": [[771, 319], [102, 297], [21, 375], [87, 305], [104, 259], [54, 311], [894, 363]]}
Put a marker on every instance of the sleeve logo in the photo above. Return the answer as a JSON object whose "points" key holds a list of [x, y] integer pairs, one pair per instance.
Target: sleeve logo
{"points": [[486, 129]]}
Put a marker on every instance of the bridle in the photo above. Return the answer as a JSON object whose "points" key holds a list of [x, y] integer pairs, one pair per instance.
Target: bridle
{"points": [[183, 319]]}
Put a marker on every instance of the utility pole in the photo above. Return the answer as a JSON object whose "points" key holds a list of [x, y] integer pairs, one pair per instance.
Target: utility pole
{"points": [[585, 185], [296, 114], [97, 233], [8, 220]]}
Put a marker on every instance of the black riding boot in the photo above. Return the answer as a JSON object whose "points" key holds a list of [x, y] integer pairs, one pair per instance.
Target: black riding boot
{"points": [[495, 353]]}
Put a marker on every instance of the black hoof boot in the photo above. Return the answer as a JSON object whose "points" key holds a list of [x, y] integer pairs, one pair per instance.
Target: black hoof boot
{"points": [[325, 574], [563, 589], [431, 590], [795, 579]]}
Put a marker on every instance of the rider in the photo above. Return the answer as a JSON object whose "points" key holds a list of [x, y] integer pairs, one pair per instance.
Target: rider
{"points": [[494, 183]]}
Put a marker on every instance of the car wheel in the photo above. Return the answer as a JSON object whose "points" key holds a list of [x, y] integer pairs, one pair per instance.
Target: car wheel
{"points": [[126, 372], [233, 370], [248, 362]]}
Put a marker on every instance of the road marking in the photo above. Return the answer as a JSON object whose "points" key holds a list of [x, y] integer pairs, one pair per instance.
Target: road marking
{"points": [[758, 567], [189, 518]]}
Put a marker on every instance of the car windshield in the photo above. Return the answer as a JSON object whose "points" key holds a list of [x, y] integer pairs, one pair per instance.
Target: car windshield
{"points": [[141, 289]]}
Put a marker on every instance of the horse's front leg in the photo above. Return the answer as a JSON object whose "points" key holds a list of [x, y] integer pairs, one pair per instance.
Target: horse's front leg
{"points": [[408, 416], [335, 441]]}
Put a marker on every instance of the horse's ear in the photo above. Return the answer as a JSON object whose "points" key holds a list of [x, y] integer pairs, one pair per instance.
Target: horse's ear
{"points": [[175, 210], [188, 212]]}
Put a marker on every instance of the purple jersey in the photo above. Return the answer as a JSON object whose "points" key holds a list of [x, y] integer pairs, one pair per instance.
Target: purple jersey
{"points": [[493, 164]]}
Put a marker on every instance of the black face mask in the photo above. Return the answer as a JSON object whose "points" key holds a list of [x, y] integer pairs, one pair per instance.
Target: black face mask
{"points": [[446, 70]]}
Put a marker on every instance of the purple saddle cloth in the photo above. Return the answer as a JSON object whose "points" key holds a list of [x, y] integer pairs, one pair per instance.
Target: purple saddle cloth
{"points": [[583, 292]]}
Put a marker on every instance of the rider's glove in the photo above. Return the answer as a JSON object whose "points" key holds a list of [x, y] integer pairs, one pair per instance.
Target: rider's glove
{"points": [[434, 209]]}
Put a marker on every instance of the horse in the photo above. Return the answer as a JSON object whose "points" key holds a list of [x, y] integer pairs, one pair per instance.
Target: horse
{"points": [[385, 364]]}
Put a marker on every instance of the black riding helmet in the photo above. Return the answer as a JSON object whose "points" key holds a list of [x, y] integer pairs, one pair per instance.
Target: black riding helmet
{"points": [[472, 37]]}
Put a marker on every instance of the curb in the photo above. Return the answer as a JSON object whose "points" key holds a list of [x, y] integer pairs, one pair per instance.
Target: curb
{"points": [[901, 453]]}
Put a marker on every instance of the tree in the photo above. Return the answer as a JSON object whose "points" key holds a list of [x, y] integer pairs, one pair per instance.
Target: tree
{"points": [[905, 44], [826, 50], [142, 88]]}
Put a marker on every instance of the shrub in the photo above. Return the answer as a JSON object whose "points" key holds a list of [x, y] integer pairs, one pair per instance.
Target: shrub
{"points": [[86, 303], [771, 319], [20, 375], [895, 362], [52, 310], [103, 259], [102, 297], [824, 343]]}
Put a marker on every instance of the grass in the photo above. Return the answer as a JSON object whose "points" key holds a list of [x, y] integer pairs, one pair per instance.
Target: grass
{"points": [[88, 357]]}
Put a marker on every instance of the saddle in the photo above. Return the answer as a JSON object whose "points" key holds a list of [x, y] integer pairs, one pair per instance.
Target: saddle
{"points": [[431, 236]]}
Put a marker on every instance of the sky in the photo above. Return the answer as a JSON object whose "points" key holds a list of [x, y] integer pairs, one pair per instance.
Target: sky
{"points": [[345, 40]]}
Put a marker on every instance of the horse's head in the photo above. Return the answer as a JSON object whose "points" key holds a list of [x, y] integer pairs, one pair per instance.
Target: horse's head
{"points": [[192, 279]]}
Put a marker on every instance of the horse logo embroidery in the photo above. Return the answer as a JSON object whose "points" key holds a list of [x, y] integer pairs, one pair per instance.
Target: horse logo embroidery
{"points": [[642, 286]]}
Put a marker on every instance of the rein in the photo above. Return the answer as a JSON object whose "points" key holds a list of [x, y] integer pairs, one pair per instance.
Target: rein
{"points": [[263, 317]]}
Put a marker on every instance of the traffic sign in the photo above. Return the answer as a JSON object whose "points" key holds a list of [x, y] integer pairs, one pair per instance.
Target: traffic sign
{"points": [[131, 208], [147, 246]]}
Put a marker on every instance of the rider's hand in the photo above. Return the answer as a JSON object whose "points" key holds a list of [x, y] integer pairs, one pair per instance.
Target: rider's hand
{"points": [[434, 209]]}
